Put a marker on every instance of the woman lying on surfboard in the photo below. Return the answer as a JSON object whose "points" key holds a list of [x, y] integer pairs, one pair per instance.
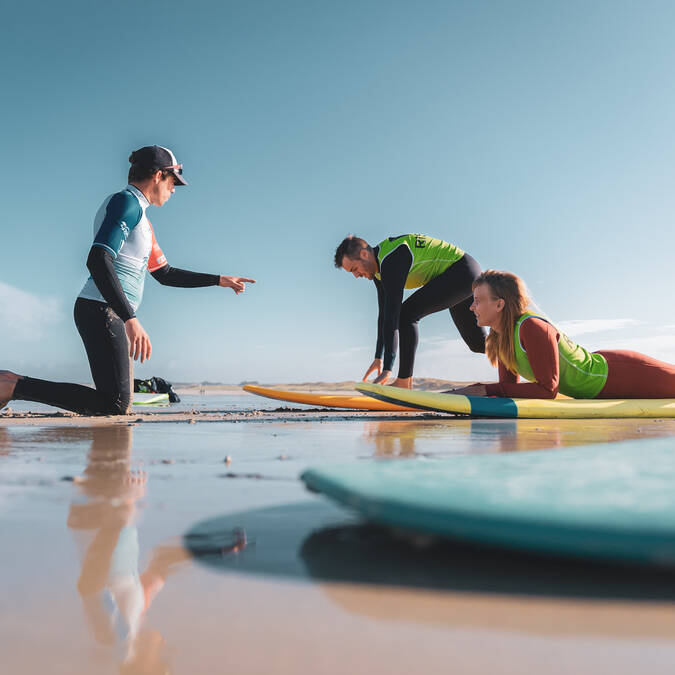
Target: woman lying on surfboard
{"points": [[522, 343]]}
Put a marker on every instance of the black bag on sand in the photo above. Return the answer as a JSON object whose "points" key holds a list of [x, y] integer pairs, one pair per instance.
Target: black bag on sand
{"points": [[156, 385]]}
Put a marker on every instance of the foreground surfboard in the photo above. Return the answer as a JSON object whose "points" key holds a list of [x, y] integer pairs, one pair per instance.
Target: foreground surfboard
{"points": [[612, 502], [336, 401], [489, 406]]}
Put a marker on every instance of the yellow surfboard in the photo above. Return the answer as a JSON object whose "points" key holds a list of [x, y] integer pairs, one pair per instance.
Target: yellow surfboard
{"points": [[329, 401], [490, 406]]}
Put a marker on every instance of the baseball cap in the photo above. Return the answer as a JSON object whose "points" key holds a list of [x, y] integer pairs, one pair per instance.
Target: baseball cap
{"points": [[157, 157]]}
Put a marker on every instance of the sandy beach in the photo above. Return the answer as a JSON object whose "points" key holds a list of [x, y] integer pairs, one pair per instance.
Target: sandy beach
{"points": [[184, 542]]}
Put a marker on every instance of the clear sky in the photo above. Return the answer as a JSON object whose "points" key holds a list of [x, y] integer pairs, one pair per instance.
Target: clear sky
{"points": [[538, 136]]}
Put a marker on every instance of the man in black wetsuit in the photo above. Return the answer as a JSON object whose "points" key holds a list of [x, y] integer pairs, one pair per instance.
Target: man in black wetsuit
{"points": [[124, 248], [443, 275]]}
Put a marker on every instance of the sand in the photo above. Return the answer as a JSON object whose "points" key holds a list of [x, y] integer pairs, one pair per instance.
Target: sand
{"points": [[200, 515]]}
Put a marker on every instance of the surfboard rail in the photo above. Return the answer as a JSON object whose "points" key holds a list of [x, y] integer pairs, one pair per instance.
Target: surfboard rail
{"points": [[327, 400]]}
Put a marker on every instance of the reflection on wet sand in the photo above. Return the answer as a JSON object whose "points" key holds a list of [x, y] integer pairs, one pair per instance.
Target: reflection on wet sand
{"points": [[487, 588], [342, 570], [5, 442], [115, 594], [372, 571], [398, 438]]}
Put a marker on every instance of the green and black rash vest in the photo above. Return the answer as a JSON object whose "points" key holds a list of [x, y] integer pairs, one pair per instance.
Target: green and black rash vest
{"points": [[406, 261], [551, 363]]}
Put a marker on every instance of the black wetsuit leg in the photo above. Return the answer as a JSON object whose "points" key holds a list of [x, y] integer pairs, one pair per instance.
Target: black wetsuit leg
{"points": [[105, 340], [450, 290]]}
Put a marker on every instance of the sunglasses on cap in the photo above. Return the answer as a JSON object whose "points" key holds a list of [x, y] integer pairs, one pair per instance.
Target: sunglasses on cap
{"points": [[176, 168]]}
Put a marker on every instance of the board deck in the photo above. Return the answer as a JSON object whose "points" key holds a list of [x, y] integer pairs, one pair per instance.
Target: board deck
{"points": [[330, 401], [613, 502], [490, 406]]}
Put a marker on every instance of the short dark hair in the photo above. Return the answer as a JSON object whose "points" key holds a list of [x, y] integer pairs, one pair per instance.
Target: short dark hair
{"points": [[140, 169], [350, 246]]}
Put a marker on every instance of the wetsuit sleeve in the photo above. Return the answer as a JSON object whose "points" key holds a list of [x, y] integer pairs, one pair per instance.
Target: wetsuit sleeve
{"points": [[122, 214], [379, 345], [394, 272], [160, 269], [506, 376], [100, 266], [173, 276], [540, 341]]}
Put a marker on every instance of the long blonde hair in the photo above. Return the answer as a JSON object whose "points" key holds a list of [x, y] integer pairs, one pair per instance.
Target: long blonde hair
{"points": [[512, 290]]}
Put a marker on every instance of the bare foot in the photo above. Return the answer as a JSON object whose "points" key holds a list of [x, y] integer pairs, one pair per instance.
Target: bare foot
{"points": [[402, 382], [8, 381]]}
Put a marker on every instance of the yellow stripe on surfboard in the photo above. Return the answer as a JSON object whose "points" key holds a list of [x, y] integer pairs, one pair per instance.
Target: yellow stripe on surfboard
{"points": [[596, 408], [488, 406], [327, 400], [421, 400]]}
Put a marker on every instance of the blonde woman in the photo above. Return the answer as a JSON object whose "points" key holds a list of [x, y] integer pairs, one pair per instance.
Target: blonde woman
{"points": [[524, 344]]}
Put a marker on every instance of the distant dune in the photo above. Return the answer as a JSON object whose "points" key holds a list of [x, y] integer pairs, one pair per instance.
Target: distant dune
{"points": [[419, 383]]}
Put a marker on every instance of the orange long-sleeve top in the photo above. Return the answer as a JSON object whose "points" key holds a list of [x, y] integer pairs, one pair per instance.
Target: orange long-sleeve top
{"points": [[540, 340]]}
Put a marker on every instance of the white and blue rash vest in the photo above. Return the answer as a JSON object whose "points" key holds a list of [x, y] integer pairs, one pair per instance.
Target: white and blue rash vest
{"points": [[122, 228]]}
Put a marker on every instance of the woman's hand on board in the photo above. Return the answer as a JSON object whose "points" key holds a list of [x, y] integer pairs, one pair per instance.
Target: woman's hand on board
{"points": [[477, 389]]}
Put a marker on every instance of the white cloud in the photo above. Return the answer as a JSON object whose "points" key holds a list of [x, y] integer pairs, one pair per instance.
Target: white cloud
{"points": [[347, 353], [637, 336], [451, 360], [661, 347], [27, 316], [576, 327]]}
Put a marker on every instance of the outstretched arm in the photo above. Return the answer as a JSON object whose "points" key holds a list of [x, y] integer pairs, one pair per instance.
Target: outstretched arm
{"points": [[174, 276]]}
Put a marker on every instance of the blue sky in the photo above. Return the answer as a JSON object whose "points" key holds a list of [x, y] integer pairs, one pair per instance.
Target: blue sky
{"points": [[538, 136]]}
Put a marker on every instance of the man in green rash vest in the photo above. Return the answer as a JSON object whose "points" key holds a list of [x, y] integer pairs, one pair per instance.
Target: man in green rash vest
{"points": [[443, 274]]}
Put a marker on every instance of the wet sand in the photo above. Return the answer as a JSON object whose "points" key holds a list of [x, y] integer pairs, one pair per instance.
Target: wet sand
{"points": [[184, 542]]}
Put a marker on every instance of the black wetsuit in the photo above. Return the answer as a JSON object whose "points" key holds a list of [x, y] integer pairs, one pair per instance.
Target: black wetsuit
{"points": [[101, 326], [123, 238], [449, 290]]}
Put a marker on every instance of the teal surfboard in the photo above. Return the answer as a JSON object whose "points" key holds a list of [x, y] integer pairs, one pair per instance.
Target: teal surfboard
{"points": [[613, 502], [491, 406]]}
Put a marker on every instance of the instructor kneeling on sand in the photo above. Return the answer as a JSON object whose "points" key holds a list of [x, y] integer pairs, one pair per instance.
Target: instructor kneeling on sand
{"points": [[444, 275], [105, 311]]}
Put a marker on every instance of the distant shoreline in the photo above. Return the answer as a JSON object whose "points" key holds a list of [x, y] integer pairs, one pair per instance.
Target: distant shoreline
{"points": [[210, 389]]}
